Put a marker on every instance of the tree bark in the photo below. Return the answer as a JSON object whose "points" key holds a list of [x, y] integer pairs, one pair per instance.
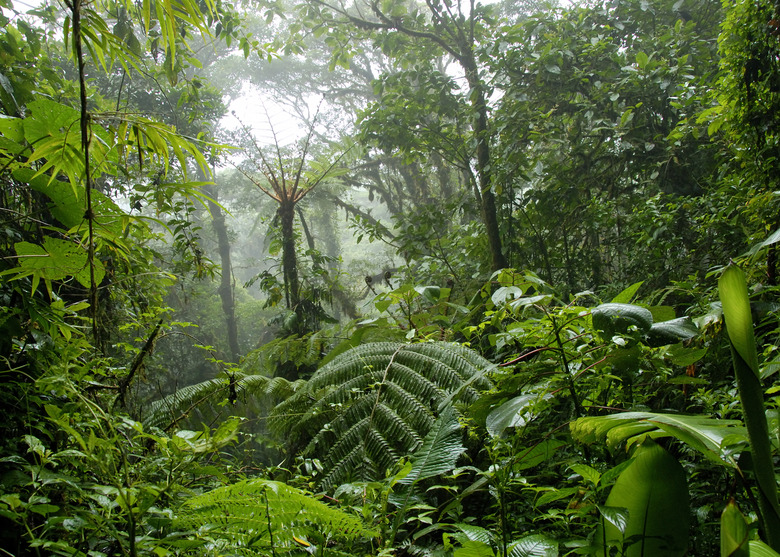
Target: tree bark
{"points": [[226, 293], [286, 213], [484, 174]]}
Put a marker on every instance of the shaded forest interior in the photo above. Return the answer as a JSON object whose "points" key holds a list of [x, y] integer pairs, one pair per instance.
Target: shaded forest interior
{"points": [[389, 278]]}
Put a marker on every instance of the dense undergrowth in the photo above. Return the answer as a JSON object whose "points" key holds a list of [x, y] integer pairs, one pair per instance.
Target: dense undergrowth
{"points": [[571, 350], [417, 446]]}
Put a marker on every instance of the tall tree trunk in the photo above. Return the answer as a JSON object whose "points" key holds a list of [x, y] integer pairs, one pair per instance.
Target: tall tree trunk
{"points": [[226, 293], [336, 292], [484, 175], [286, 213]]}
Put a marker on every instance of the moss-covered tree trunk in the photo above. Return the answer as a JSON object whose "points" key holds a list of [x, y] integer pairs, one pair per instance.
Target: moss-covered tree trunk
{"points": [[484, 175], [226, 294], [286, 212]]}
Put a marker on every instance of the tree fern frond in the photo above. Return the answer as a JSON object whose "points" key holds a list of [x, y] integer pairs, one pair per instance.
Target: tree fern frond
{"points": [[258, 514], [395, 427], [352, 467], [417, 413], [439, 451], [175, 407], [423, 384], [374, 403], [345, 442], [350, 366], [207, 395]]}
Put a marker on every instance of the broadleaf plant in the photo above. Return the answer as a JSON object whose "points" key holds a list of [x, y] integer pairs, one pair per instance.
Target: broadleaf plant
{"points": [[733, 291]]}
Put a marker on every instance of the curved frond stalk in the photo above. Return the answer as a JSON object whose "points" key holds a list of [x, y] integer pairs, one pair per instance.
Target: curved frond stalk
{"points": [[375, 403]]}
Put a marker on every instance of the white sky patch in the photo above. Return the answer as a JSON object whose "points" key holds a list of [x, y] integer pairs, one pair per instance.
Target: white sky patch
{"points": [[263, 117]]}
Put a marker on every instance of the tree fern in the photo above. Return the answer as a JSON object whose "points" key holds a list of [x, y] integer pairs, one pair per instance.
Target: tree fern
{"points": [[371, 405], [205, 397], [264, 517], [439, 451]]}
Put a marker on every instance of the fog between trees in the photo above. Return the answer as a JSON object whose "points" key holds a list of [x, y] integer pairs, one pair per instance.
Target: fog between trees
{"points": [[389, 278]]}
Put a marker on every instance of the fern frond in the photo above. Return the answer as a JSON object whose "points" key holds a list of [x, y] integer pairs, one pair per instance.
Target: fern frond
{"points": [[175, 407], [258, 515], [206, 396], [374, 403], [439, 451]]}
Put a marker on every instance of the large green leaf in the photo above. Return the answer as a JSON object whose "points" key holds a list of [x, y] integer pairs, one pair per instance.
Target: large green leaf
{"points": [[760, 549], [69, 204], [654, 490], [716, 439], [56, 259], [732, 288], [733, 292], [733, 532]]}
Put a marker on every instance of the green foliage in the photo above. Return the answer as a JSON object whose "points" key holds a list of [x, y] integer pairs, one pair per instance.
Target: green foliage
{"points": [[653, 492], [611, 319], [438, 452], [739, 326], [365, 409], [611, 151], [290, 356], [716, 439], [587, 161], [208, 396], [733, 532], [258, 516], [84, 479]]}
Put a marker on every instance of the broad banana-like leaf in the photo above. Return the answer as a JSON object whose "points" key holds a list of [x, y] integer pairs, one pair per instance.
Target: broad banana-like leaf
{"points": [[617, 516], [716, 439], [732, 288], [733, 532], [760, 549], [654, 490]]}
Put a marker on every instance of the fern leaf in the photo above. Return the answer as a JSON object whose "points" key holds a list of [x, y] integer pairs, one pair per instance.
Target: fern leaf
{"points": [[375, 403], [439, 451], [175, 407], [258, 513], [206, 396]]}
